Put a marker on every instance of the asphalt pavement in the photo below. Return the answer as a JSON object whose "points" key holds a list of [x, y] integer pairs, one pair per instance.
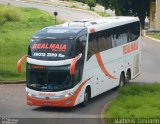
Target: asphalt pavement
{"points": [[13, 105], [150, 65]]}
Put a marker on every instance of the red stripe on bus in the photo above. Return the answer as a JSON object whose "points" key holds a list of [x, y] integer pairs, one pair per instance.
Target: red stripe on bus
{"points": [[101, 65], [19, 64], [60, 102]]}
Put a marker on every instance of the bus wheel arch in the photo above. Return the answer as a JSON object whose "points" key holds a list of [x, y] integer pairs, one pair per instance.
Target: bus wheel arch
{"points": [[87, 96]]}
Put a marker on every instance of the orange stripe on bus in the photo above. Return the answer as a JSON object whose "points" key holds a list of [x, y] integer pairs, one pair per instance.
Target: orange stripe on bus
{"points": [[78, 91], [101, 65]]}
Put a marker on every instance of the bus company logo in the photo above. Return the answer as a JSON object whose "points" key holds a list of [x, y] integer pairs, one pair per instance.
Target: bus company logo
{"points": [[130, 47], [53, 47]]}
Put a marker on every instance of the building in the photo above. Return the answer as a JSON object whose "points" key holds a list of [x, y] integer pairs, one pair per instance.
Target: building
{"points": [[154, 18]]}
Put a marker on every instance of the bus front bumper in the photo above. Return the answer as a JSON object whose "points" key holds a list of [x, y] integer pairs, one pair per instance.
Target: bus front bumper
{"points": [[64, 102]]}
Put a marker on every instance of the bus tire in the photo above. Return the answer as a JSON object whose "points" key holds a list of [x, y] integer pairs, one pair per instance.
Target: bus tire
{"points": [[86, 97], [127, 77], [122, 80]]}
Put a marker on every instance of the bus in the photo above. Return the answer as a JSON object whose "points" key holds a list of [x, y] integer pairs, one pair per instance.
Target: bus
{"points": [[71, 63]]}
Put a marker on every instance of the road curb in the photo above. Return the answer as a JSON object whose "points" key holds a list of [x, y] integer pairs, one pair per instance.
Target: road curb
{"points": [[13, 82], [103, 111], [152, 38], [45, 4]]}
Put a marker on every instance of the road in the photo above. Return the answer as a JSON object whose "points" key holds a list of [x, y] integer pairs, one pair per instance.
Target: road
{"points": [[63, 13], [13, 104], [12, 97], [150, 67]]}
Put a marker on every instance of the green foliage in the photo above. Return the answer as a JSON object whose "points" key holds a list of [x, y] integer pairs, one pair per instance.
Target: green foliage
{"points": [[83, 1], [103, 14], [154, 35], [14, 39], [136, 101], [91, 3], [138, 8], [9, 14], [105, 3]]}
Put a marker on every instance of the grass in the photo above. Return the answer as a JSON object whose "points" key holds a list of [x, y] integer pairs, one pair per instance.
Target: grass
{"points": [[135, 101], [103, 14], [14, 38], [155, 35]]}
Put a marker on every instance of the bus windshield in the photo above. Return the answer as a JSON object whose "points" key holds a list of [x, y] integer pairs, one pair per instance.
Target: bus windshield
{"points": [[51, 49], [49, 81]]}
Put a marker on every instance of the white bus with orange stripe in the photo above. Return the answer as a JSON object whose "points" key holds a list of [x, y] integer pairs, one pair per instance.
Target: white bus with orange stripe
{"points": [[70, 63]]}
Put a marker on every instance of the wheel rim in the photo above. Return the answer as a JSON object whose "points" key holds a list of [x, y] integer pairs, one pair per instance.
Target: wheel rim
{"points": [[127, 78], [86, 97], [121, 81]]}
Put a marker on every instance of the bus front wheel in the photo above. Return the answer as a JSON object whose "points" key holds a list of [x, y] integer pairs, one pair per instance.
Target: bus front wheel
{"points": [[86, 97]]}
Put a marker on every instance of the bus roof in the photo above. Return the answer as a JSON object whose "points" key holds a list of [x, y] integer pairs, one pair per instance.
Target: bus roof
{"points": [[58, 32], [69, 30], [102, 23]]}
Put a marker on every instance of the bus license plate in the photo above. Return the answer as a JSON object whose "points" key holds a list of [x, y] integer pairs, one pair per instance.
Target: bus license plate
{"points": [[47, 103]]}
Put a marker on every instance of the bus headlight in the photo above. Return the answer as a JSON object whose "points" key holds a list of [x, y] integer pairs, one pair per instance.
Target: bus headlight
{"points": [[67, 94], [29, 94]]}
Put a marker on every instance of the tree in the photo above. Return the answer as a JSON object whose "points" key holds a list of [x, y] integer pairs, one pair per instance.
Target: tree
{"points": [[91, 3], [105, 3], [138, 8], [141, 10]]}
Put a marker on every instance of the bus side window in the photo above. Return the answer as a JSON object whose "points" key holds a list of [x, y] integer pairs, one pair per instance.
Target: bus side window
{"points": [[108, 38], [80, 45], [134, 30], [113, 42], [120, 36], [92, 45], [105, 41]]}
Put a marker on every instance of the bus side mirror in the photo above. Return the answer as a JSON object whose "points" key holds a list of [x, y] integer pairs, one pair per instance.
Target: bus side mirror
{"points": [[19, 63], [73, 63]]}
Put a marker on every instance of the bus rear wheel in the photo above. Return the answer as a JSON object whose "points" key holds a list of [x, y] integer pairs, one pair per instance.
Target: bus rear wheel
{"points": [[122, 80], [86, 97], [127, 77]]}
